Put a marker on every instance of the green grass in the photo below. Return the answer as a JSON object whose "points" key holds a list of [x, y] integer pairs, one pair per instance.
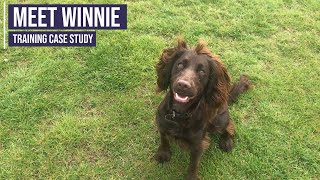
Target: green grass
{"points": [[89, 112]]}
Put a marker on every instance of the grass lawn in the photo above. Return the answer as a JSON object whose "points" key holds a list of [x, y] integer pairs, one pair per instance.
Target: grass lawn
{"points": [[79, 112]]}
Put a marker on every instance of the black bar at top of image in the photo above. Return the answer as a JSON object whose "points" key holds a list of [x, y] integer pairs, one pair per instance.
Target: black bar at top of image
{"points": [[58, 22]]}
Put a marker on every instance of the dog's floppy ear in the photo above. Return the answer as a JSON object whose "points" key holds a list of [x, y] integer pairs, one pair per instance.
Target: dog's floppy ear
{"points": [[219, 83], [164, 66], [218, 86]]}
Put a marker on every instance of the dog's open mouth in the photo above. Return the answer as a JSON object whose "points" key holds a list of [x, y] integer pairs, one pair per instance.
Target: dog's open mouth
{"points": [[181, 98]]}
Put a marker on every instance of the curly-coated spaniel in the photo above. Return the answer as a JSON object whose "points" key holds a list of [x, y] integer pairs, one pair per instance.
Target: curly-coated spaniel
{"points": [[196, 103]]}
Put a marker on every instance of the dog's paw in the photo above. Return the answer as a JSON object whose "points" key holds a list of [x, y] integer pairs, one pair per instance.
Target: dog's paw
{"points": [[162, 156], [226, 144], [192, 177]]}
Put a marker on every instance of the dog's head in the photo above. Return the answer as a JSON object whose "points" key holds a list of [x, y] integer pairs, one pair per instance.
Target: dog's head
{"points": [[192, 73]]}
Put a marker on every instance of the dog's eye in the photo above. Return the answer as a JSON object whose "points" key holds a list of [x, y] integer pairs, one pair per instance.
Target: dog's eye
{"points": [[202, 72], [180, 65]]}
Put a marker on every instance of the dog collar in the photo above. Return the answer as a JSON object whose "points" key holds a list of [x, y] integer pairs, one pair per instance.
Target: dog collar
{"points": [[177, 119], [177, 116]]}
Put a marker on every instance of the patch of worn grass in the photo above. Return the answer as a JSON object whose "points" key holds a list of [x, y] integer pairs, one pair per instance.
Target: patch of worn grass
{"points": [[89, 112]]}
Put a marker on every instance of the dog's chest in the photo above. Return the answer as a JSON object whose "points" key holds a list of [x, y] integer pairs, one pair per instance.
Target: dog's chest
{"points": [[184, 131]]}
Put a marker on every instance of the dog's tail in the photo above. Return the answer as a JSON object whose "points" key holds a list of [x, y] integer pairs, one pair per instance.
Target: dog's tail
{"points": [[242, 85]]}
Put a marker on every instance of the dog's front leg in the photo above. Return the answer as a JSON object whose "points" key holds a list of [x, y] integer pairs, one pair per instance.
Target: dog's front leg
{"points": [[163, 154], [195, 155]]}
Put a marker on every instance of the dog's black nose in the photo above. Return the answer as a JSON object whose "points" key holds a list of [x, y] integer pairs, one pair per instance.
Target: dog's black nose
{"points": [[184, 84]]}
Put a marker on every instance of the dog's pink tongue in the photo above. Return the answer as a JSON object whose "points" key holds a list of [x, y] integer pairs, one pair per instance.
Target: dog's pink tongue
{"points": [[183, 99]]}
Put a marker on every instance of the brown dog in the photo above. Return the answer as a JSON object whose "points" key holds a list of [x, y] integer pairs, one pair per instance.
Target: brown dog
{"points": [[196, 103]]}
